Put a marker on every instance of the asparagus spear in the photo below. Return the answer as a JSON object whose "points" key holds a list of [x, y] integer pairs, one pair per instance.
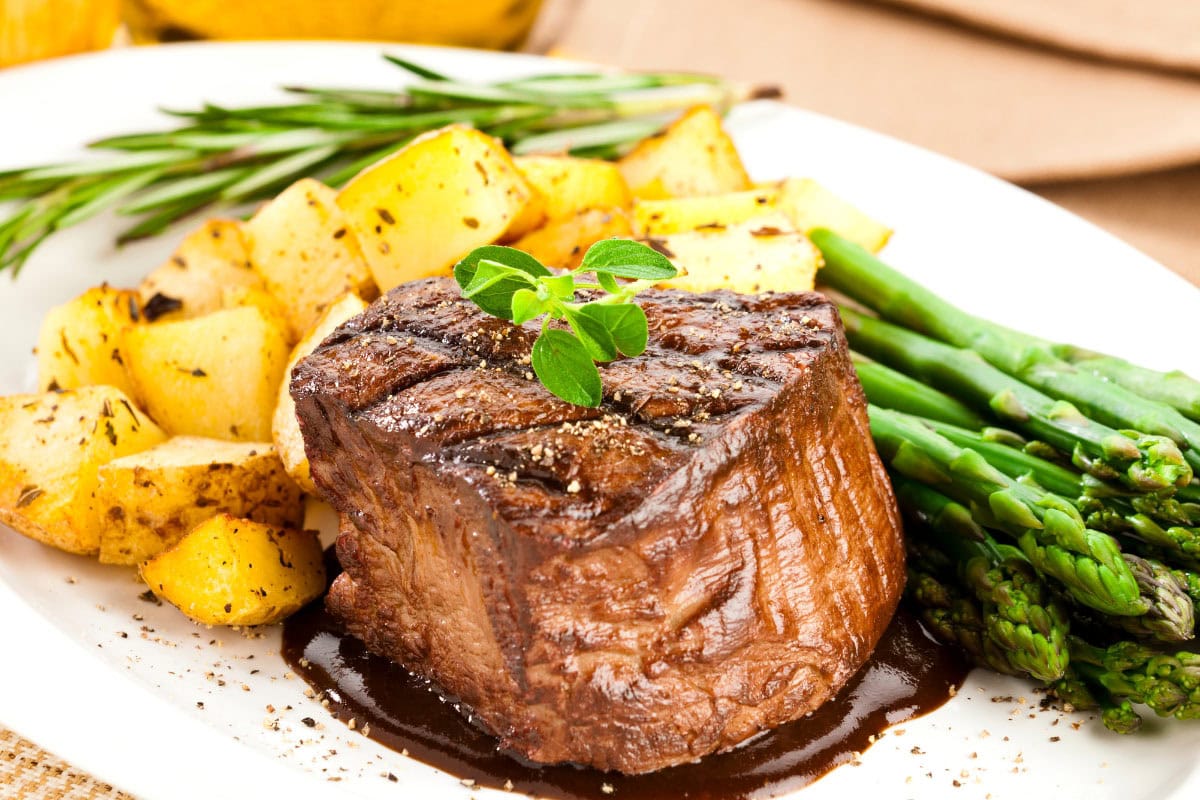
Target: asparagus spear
{"points": [[1141, 462], [1019, 613], [1172, 616], [1080, 693], [887, 388], [1180, 391], [957, 619], [853, 270], [1167, 683], [1048, 529], [1173, 516], [1110, 514]]}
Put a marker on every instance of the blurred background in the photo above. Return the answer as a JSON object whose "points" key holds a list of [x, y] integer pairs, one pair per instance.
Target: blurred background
{"points": [[1093, 104]]}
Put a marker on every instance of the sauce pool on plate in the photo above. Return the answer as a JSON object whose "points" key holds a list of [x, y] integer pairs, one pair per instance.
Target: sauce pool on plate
{"points": [[908, 675]]}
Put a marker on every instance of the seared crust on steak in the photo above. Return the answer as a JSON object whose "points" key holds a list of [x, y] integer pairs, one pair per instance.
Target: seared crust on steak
{"points": [[712, 552]]}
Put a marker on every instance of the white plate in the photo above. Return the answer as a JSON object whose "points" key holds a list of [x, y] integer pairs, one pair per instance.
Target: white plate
{"points": [[78, 676]]}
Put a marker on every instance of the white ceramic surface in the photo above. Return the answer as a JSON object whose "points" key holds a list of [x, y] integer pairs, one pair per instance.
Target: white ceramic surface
{"points": [[114, 684]]}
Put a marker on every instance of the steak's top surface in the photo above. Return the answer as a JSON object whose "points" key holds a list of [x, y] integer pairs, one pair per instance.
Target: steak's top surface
{"points": [[432, 372]]}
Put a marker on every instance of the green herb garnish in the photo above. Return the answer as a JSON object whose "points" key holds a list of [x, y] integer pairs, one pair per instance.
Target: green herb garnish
{"points": [[513, 285], [234, 156]]}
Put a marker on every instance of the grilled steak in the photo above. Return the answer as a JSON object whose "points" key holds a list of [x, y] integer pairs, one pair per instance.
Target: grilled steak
{"points": [[712, 552]]}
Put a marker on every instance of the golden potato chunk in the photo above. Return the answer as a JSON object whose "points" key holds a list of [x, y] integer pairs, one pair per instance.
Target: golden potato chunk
{"points": [[693, 156], [230, 571], [264, 301], [51, 446], [214, 376], [419, 211], [80, 341], [307, 252], [810, 205], [561, 243], [571, 185], [762, 255], [677, 214], [147, 501], [190, 283], [285, 428]]}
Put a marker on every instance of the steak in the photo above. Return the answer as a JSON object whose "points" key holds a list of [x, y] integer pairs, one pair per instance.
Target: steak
{"points": [[713, 551]]}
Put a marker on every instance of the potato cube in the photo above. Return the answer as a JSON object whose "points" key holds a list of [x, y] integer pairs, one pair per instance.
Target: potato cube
{"points": [[147, 501], [762, 255], [530, 218], [662, 217], [51, 446], [570, 185], [264, 301], [214, 376], [230, 571], [810, 205], [419, 211], [285, 428], [306, 251], [80, 341], [694, 156], [190, 283], [561, 243]]}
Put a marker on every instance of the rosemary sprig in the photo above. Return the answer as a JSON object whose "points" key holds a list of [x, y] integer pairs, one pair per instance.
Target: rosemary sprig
{"points": [[233, 156], [513, 285]]}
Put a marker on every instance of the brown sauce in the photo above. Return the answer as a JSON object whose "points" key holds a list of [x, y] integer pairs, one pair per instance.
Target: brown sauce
{"points": [[909, 674]]}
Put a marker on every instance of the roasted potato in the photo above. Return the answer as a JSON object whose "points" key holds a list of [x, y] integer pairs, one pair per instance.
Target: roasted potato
{"points": [[80, 341], [285, 428], [694, 156], [214, 376], [762, 255], [307, 252], [417, 212], [191, 282], [675, 215], [810, 205], [230, 571], [51, 446], [147, 501], [561, 243], [571, 185], [264, 301]]}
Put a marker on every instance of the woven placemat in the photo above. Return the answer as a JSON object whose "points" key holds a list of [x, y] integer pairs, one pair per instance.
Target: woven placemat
{"points": [[28, 772]]}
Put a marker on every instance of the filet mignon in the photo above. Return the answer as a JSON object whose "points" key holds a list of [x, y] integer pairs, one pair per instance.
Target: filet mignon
{"points": [[712, 552]]}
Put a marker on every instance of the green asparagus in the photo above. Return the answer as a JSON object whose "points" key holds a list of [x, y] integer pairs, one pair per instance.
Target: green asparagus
{"points": [[851, 269], [1142, 462], [1019, 613], [1048, 529], [1180, 391], [887, 388], [957, 619], [1168, 683]]}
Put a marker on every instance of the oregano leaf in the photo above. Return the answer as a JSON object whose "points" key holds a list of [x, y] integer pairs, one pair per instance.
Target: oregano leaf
{"points": [[560, 286], [593, 333], [464, 271], [625, 322], [526, 305], [626, 258], [608, 283], [492, 287], [563, 365]]}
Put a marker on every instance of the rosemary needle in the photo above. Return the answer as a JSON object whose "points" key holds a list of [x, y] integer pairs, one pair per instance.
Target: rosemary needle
{"points": [[233, 156]]}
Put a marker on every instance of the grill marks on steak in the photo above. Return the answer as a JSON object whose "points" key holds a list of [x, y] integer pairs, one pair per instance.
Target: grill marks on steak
{"points": [[713, 551]]}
